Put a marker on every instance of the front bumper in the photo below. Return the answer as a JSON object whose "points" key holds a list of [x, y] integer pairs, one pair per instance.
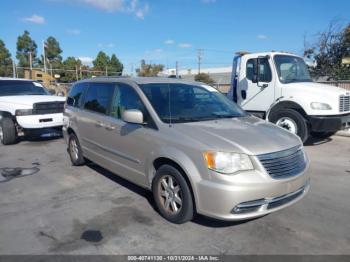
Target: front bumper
{"points": [[40, 121], [329, 123], [267, 195]]}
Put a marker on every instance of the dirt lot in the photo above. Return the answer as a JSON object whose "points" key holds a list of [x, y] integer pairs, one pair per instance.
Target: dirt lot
{"points": [[58, 208]]}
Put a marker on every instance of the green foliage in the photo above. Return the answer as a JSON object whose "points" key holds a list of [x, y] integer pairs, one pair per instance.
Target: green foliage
{"points": [[53, 50], [204, 78], [101, 62], [115, 67], [149, 69], [71, 70], [5, 60], [26, 44], [330, 48]]}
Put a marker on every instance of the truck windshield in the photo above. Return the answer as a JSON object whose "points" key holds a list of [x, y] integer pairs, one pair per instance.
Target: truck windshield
{"points": [[18, 87], [291, 69], [181, 103]]}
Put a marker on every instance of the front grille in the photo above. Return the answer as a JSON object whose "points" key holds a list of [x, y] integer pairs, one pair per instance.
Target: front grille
{"points": [[48, 108], [344, 103], [283, 164]]}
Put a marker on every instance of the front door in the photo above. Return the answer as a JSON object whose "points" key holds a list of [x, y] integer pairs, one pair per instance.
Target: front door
{"points": [[256, 96]]}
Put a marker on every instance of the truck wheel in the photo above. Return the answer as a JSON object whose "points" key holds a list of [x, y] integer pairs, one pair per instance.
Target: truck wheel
{"points": [[172, 195], [322, 134], [292, 121], [75, 151], [8, 132]]}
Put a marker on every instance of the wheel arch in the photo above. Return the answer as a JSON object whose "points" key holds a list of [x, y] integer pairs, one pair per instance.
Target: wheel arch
{"points": [[286, 105], [158, 162]]}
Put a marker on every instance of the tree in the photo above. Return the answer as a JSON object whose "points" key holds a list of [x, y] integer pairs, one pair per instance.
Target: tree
{"points": [[53, 52], [149, 69], [101, 62], [25, 45], [71, 68], [115, 67], [205, 78], [5, 60], [328, 51]]}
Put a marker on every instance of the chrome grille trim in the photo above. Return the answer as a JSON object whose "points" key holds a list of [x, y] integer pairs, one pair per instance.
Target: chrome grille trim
{"points": [[344, 103], [284, 164]]}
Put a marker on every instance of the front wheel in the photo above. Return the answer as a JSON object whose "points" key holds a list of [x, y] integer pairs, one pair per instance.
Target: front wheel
{"points": [[8, 132], [172, 195], [292, 121], [75, 151]]}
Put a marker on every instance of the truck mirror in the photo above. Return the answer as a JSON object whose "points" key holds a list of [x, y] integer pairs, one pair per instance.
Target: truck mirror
{"points": [[70, 101]]}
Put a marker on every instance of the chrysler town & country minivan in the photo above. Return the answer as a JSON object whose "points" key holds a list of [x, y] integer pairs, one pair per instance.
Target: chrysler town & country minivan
{"points": [[197, 151]]}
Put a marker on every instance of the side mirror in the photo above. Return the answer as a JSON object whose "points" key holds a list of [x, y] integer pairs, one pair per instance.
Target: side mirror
{"points": [[133, 116], [70, 101]]}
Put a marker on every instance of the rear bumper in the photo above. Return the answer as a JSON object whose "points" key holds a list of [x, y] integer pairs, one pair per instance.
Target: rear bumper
{"points": [[329, 123], [40, 121]]}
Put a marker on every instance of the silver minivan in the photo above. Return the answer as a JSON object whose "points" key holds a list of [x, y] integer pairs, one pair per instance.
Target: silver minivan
{"points": [[197, 151]]}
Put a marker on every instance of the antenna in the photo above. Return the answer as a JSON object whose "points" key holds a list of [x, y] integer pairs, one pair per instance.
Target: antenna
{"points": [[200, 53]]}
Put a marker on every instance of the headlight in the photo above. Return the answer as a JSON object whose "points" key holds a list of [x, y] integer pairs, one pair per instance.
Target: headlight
{"points": [[227, 163], [320, 106], [24, 112]]}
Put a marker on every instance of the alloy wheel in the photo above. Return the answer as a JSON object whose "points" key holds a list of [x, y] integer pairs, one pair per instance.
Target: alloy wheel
{"points": [[73, 149], [170, 194]]}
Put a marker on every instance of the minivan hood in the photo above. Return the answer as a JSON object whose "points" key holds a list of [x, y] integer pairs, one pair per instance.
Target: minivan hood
{"points": [[249, 135], [29, 100]]}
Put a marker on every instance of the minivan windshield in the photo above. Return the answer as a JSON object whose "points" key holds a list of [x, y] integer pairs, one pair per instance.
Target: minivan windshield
{"points": [[291, 69], [19, 87], [181, 103]]}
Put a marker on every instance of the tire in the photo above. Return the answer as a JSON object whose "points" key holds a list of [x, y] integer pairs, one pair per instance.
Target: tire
{"points": [[74, 150], [322, 134], [178, 193], [287, 118], [8, 132]]}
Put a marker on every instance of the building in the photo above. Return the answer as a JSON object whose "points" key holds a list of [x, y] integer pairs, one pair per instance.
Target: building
{"points": [[40, 76]]}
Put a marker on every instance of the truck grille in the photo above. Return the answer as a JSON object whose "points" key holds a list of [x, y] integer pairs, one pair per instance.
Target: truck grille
{"points": [[283, 164], [48, 108], [344, 103]]}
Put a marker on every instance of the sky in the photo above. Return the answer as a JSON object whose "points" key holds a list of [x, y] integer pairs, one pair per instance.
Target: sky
{"points": [[166, 31]]}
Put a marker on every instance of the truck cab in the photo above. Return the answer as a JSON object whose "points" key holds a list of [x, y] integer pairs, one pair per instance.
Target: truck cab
{"points": [[277, 86]]}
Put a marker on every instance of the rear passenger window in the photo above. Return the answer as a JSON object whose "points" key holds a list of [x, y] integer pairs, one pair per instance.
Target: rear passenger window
{"points": [[98, 97], [76, 93]]}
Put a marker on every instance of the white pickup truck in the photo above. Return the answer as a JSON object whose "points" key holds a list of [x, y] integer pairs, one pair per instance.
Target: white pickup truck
{"points": [[277, 87], [25, 107]]}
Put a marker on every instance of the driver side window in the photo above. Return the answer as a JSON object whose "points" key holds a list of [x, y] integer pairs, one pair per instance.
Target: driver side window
{"points": [[265, 74]]}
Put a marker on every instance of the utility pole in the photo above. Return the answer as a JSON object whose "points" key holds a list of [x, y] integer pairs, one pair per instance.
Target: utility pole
{"points": [[177, 69], [76, 72], [44, 56], [14, 69], [30, 65], [199, 54], [106, 71]]}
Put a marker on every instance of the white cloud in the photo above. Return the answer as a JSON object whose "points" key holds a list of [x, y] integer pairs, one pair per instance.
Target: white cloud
{"points": [[126, 6], [169, 42], [262, 37], [208, 1], [35, 19], [109, 45], [73, 31], [86, 60], [185, 45]]}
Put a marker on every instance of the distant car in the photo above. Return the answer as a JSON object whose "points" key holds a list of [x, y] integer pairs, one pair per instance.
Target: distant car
{"points": [[196, 150], [26, 106]]}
